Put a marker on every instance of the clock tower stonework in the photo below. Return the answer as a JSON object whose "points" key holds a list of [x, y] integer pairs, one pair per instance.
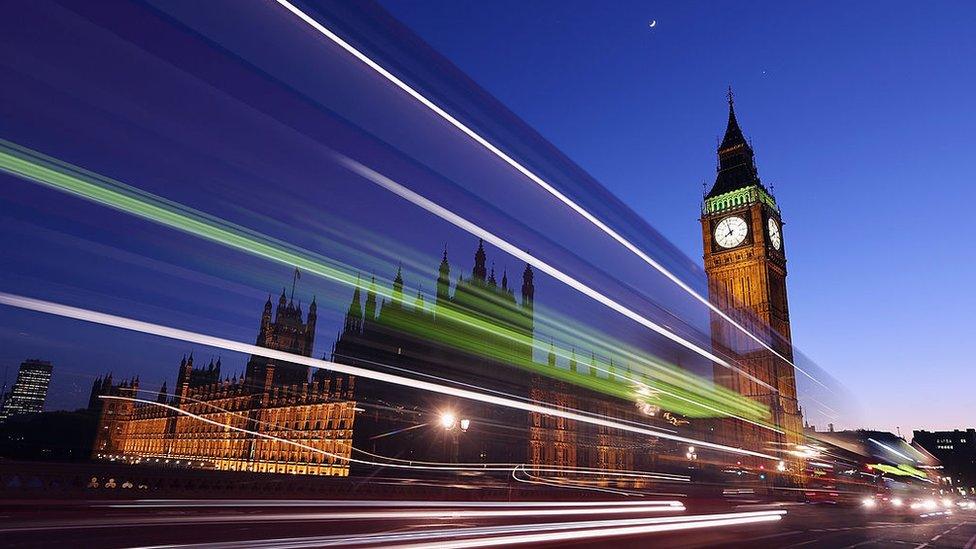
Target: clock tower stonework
{"points": [[745, 261]]}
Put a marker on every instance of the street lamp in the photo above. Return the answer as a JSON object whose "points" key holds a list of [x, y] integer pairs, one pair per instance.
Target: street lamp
{"points": [[448, 420]]}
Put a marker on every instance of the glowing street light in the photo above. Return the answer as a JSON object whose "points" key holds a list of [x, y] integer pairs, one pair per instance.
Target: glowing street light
{"points": [[448, 420]]}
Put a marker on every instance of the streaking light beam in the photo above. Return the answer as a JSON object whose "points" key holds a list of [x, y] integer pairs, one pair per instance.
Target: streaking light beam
{"points": [[669, 524], [39, 168], [211, 341], [530, 175]]}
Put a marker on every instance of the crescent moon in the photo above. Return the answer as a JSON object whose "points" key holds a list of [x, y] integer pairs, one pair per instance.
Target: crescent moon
{"points": [[653, 23]]}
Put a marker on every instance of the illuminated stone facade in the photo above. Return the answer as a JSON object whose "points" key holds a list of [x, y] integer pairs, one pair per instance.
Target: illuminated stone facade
{"points": [[557, 444], [554, 441], [208, 421], [270, 420], [745, 260]]}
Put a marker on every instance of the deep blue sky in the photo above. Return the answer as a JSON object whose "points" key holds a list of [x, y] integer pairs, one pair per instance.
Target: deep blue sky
{"points": [[182, 104], [862, 118], [860, 121]]}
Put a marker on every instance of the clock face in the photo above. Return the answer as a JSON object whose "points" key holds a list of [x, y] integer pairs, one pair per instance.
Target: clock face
{"points": [[731, 231], [775, 238]]}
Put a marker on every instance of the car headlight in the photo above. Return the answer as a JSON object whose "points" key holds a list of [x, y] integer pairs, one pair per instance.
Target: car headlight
{"points": [[897, 502], [869, 502]]}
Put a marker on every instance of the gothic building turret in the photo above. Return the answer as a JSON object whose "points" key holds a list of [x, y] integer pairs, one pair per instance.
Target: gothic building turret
{"points": [[291, 332], [443, 281], [354, 316], [528, 299], [311, 319], [101, 386], [183, 378], [480, 271], [398, 287], [265, 321]]}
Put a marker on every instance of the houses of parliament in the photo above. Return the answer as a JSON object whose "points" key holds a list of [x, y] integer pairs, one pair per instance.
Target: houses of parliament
{"points": [[477, 330], [277, 418], [271, 419]]}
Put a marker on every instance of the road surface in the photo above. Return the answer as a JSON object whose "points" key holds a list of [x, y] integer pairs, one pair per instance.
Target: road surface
{"points": [[318, 523]]}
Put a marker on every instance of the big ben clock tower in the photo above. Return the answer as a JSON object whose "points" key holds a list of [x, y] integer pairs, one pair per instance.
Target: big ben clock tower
{"points": [[745, 260]]}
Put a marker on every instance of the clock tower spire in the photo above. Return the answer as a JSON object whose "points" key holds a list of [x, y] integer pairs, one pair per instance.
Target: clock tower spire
{"points": [[745, 261]]}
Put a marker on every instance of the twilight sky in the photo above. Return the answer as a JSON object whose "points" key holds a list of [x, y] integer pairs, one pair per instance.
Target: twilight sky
{"points": [[862, 119], [862, 129]]}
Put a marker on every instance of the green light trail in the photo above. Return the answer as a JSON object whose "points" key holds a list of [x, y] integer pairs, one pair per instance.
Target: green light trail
{"points": [[653, 382]]}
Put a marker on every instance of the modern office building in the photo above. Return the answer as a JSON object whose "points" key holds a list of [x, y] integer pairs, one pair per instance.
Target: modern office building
{"points": [[956, 450], [30, 390]]}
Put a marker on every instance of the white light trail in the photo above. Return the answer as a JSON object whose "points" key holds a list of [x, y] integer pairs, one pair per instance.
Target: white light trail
{"points": [[460, 467], [494, 391], [530, 175], [462, 223], [890, 449], [671, 524], [415, 462], [476, 230], [211, 341], [566, 484], [382, 503], [446, 513], [291, 257], [433, 537]]}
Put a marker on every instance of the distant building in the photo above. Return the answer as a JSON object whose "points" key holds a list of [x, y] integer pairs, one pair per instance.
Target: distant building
{"points": [[30, 390], [237, 424], [957, 451], [4, 397]]}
